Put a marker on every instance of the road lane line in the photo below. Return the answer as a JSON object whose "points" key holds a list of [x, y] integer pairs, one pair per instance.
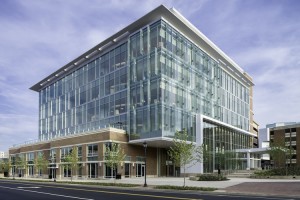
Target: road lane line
{"points": [[167, 197], [59, 195], [112, 192], [124, 193]]}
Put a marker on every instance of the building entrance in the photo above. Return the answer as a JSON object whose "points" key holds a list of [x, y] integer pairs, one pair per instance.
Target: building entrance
{"points": [[127, 170], [52, 171], [140, 170], [92, 170]]}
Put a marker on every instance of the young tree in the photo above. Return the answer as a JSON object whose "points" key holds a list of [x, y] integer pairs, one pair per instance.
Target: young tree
{"points": [[114, 156], [280, 154], [71, 161], [41, 163], [21, 164], [277, 153], [5, 165], [289, 152], [227, 160], [184, 153]]}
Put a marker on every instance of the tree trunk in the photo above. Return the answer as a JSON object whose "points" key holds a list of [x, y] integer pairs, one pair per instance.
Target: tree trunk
{"points": [[184, 176], [114, 171]]}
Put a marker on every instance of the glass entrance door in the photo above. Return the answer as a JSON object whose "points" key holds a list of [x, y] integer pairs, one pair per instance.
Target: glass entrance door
{"points": [[127, 170], [140, 170], [92, 170], [52, 171]]}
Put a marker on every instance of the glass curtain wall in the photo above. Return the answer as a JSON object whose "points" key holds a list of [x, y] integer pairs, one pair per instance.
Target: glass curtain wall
{"points": [[92, 97], [169, 81], [219, 145], [172, 80], [30, 163]]}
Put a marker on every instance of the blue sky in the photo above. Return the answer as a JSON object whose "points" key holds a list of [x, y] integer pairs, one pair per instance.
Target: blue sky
{"points": [[38, 37]]}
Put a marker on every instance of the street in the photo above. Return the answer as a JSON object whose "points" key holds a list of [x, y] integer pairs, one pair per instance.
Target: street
{"points": [[16, 190]]}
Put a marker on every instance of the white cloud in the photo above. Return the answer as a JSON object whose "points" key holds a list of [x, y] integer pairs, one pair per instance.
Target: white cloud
{"points": [[94, 36], [276, 93], [16, 129]]}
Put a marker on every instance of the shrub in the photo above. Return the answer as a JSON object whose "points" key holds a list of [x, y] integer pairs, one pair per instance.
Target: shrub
{"points": [[290, 171], [102, 184], [172, 187], [211, 177]]}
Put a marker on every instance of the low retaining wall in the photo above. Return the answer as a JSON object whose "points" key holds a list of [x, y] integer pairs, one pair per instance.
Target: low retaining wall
{"points": [[275, 177]]}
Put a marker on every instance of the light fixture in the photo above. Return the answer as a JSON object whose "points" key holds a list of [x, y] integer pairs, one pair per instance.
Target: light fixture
{"points": [[145, 147], [104, 46], [121, 36]]}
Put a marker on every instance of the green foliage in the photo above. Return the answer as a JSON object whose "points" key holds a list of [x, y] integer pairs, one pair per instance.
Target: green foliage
{"points": [[41, 162], [101, 184], [289, 171], [172, 187], [264, 173], [227, 160], [71, 160], [279, 153], [114, 156], [5, 165], [83, 183], [184, 153], [211, 177], [21, 162]]}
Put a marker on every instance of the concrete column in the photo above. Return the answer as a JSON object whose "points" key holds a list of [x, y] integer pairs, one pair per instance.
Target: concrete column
{"points": [[198, 167], [248, 160]]}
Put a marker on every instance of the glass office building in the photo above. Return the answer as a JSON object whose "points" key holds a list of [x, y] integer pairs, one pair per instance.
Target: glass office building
{"points": [[153, 84], [152, 78]]}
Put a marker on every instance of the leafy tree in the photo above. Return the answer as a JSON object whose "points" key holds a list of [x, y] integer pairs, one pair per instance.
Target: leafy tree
{"points": [[289, 151], [184, 153], [227, 160], [114, 156], [5, 165], [41, 162], [21, 164], [71, 161], [277, 153], [207, 155], [280, 154]]}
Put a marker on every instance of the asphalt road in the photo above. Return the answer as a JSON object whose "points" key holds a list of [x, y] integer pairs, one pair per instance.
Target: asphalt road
{"points": [[16, 190]]}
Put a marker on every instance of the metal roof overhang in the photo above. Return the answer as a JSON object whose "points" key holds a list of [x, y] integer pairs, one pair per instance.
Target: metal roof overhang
{"points": [[254, 150], [157, 142]]}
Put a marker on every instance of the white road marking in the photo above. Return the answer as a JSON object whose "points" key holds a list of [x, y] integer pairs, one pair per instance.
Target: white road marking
{"points": [[29, 187], [59, 195], [252, 197]]}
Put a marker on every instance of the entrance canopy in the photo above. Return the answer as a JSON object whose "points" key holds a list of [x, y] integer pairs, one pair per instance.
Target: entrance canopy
{"points": [[253, 150], [253, 162]]}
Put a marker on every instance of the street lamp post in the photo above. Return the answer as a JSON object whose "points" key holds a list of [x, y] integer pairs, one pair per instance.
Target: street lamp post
{"points": [[145, 147]]}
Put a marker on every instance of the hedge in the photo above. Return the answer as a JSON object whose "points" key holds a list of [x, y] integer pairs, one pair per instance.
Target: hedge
{"points": [[290, 171]]}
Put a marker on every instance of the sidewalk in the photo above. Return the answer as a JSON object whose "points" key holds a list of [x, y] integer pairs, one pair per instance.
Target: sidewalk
{"points": [[267, 187]]}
